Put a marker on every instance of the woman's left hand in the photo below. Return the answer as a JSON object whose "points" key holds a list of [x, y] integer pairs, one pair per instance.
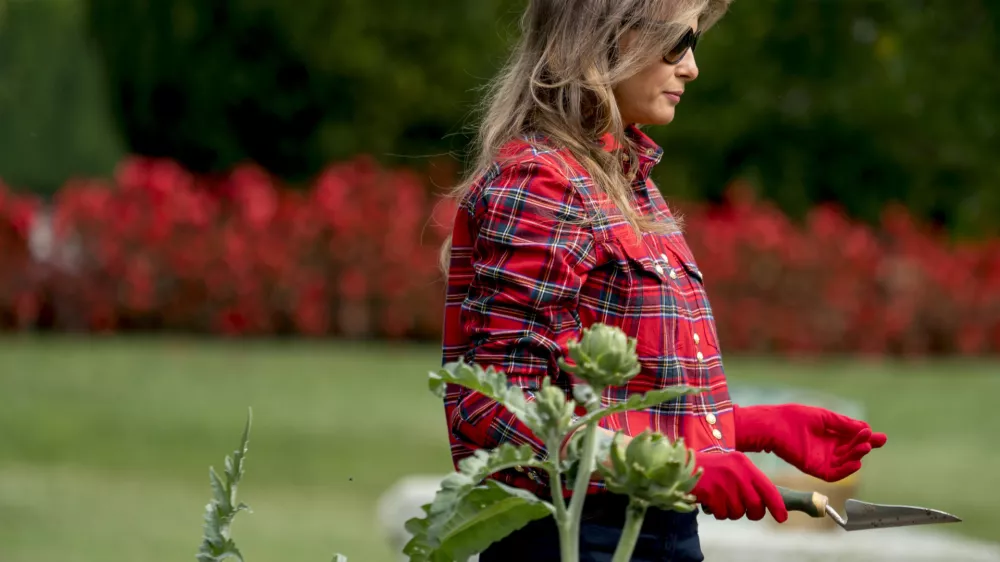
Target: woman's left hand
{"points": [[818, 442]]}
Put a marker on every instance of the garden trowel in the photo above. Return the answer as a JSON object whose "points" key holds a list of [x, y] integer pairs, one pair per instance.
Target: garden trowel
{"points": [[859, 515]]}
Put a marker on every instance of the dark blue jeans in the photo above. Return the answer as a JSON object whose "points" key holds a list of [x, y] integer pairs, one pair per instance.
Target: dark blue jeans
{"points": [[667, 536]]}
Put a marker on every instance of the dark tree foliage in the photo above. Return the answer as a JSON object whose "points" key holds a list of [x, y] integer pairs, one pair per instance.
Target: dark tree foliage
{"points": [[862, 102]]}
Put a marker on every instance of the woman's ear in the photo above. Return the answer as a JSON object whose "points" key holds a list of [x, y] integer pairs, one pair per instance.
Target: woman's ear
{"points": [[626, 40]]}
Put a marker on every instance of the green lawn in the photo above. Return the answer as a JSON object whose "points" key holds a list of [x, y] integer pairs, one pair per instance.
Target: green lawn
{"points": [[105, 444]]}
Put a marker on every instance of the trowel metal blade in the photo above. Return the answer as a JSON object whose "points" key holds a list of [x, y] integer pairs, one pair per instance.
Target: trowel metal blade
{"points": [[863, 515]]}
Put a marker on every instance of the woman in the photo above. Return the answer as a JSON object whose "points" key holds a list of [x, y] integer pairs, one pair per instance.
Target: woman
{"points": [[559, 227]]}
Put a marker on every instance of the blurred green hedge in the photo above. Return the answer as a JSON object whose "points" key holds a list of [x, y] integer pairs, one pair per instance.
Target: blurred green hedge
{"points": [[54, 118], [293, 85], [862, 102]]}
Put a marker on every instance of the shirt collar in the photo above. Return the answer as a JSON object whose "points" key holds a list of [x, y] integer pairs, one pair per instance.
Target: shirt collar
{"points": [[649, 153]]}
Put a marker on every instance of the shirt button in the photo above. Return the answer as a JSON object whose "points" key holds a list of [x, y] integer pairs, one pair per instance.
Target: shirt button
{"points": [[710, 418], [717, 433], [649, 152], [673, 274], [697, 338], [659, 269], [701, 357]]}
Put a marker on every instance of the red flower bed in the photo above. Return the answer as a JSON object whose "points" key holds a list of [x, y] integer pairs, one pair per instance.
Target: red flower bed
{"points": [[159, 249], [832, 285], [356, 254]]}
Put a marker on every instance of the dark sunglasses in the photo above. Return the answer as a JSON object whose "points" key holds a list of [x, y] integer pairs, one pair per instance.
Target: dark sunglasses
{"points": [[677, 52]]}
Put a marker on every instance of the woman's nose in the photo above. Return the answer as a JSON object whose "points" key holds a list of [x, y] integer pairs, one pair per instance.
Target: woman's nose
{"points": [[687, 68]]}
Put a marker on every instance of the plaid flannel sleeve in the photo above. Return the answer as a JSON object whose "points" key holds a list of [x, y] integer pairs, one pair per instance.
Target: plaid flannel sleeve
{"points": [[528, 267]]}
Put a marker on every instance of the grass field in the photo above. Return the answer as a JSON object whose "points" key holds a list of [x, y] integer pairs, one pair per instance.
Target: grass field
{"points": [[105, 444]]}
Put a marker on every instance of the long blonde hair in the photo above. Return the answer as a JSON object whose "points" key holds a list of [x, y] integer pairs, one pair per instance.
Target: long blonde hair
{"points": [[559, 80]]}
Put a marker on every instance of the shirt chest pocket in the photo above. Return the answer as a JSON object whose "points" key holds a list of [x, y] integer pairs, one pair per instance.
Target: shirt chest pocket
{"points": [[647, 302], [665, 307]]}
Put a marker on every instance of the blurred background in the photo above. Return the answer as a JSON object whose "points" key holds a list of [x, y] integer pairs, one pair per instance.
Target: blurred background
{"points": [[209, 206]]}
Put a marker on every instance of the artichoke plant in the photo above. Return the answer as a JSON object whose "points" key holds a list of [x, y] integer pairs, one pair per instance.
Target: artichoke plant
{"points": [[471, 511]]}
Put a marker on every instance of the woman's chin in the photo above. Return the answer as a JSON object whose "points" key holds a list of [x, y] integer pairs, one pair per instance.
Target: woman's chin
{"points": [[660, 117]]}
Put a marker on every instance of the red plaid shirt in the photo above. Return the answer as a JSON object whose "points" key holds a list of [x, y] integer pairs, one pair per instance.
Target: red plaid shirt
{"points": [[522, 282]]}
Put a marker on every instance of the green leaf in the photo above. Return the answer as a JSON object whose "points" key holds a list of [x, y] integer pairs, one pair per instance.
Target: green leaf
{"points": [[219, 491], [638, 402], [474, 469], [234, 466], [482, 463], [491, 383], [444, 531], [469, 525]]}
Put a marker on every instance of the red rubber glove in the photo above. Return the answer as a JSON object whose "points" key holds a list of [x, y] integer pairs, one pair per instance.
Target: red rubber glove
{"points": [[818, 442], [731, 486]]}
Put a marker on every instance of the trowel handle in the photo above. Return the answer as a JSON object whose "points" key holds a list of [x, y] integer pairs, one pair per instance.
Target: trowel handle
{"points": [[811, 503]]}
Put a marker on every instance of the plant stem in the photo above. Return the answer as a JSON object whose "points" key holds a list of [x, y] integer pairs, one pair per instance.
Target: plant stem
{"points": [[580, 486], [568, 544], [555, 480], [557, 494], [634, 515], [568, 547]]}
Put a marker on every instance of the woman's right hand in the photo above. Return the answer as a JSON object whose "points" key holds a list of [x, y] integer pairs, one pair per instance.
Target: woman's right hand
{"points": [[731, 486]]}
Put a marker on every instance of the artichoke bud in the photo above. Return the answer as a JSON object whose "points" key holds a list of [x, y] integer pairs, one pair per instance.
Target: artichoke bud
{"points": [[653, 470], [669, 471], [649, 452], [603, 357], [555, 411]]}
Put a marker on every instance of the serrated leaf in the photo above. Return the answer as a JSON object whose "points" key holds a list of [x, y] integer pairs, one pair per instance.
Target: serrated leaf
{"points": [[457, 487], [234, 466], [639, 402], [474, 469], [417, 526], [219, 491], [482, 463], [473, 522], [491, 383]]}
